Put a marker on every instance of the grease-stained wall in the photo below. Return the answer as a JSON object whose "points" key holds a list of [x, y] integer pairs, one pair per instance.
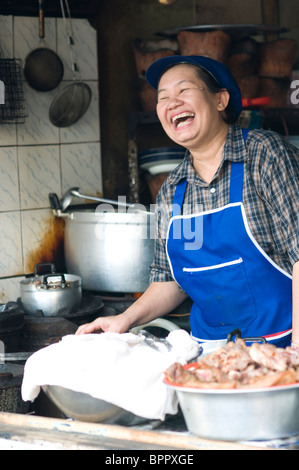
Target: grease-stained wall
{"points": [[37, 158]]}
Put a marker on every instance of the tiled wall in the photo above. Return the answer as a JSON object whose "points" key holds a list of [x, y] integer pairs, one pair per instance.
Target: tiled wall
{"points": [[36, 157]]}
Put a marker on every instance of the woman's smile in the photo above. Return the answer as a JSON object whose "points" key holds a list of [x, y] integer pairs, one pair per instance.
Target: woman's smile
{"points": [[182, 119]]}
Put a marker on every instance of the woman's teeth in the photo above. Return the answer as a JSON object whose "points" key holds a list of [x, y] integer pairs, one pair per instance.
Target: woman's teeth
{"points": [[180, 119]]}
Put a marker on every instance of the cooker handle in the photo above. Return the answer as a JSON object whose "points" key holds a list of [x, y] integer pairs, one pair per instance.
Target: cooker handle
{"points": [[233, 333], [61, 275], [237, 333], [255, 339], [44, 266], [54, 202]]}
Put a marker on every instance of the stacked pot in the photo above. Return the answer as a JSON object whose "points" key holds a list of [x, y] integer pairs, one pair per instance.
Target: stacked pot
{"points": [[260, 69]]}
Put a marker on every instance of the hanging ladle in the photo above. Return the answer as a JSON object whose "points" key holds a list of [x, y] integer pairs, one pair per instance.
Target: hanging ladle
{"points": [[67, 198]]}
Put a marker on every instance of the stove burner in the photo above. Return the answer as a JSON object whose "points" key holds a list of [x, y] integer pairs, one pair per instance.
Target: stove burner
{"points": [[90, 306]]}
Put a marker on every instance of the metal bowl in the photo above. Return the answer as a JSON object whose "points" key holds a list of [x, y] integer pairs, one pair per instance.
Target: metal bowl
{"points": [[240, 414], [84, 407]]}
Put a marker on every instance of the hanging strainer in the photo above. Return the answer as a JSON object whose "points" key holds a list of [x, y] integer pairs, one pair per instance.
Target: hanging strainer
{"points": [[72, 103]]}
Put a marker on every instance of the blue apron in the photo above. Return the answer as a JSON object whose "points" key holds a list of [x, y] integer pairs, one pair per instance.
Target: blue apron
{"points": [[233, 283]]}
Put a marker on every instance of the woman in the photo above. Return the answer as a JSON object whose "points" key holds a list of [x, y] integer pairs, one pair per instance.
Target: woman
{"points": [[227, 217]]}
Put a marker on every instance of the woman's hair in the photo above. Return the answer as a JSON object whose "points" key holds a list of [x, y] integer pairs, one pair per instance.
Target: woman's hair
{"points": [[229, 115]]}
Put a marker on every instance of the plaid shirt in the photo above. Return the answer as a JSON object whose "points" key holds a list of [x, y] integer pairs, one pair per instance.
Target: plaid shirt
{"points": [[270, 196]]}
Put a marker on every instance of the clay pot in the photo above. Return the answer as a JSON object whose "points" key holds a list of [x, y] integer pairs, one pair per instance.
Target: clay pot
{"points": [[146, 52], [147, 96], [248, 86], [276, 59], [241, 64], [275, 89], [213, 44]]}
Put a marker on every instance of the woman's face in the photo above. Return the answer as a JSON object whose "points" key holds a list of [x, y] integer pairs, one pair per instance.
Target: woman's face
{"points": [[188, 111]]}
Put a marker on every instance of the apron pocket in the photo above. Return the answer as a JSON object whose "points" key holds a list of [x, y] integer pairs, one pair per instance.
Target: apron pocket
{"points": [[223, 295]]}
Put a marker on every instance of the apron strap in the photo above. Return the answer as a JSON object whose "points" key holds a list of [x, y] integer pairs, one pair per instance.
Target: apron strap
{"points": [[236, 177], [178, 198]]}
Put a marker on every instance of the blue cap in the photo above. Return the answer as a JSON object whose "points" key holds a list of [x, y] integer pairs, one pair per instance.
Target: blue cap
{"points": [[219, 71]]}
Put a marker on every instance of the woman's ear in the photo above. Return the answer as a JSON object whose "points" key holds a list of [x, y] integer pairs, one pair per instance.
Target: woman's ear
{"points": [[222, 99]]}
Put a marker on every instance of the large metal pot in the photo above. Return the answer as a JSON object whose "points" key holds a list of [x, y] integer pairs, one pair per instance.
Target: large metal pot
{"points": [[53, 294], [111, 251], [84, 407], [235, 415]]}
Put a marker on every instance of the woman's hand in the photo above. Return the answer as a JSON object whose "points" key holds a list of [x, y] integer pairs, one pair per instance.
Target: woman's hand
{"points": [[159, 299], [113, 324]]}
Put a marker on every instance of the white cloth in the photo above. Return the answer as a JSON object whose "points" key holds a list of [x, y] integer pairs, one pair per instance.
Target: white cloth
{"points": [[117, 368]]}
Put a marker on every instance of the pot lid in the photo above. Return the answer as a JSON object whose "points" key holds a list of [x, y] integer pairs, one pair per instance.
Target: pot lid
{"points": [[236, 31], [53, 282]]}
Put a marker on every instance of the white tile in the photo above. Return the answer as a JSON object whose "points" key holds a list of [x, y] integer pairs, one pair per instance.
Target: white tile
{"points": [[8, 134], [37, 157], [9, 187], [87, 128], [84, 49], [37, 128], [39, 168], [10, 289], [10, 244], [38, 237], [81, 167], [6, 39]]}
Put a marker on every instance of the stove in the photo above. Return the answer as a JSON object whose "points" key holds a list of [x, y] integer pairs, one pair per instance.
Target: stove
{"points": [[29, 333]]}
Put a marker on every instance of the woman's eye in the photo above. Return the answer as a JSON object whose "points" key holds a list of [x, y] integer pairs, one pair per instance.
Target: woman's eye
{"points": [[162, 98]]}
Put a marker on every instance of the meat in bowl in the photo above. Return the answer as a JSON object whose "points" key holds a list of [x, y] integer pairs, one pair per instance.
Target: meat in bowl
{"points": [[237, 366]]}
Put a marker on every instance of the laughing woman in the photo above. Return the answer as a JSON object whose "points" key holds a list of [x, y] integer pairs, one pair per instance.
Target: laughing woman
{"points": [[227, 217]]}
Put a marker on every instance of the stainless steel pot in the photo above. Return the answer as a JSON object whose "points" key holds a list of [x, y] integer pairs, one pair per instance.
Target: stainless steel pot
{"points": [[53, 294], [110, 251], [237, 415], [84, 407]]}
